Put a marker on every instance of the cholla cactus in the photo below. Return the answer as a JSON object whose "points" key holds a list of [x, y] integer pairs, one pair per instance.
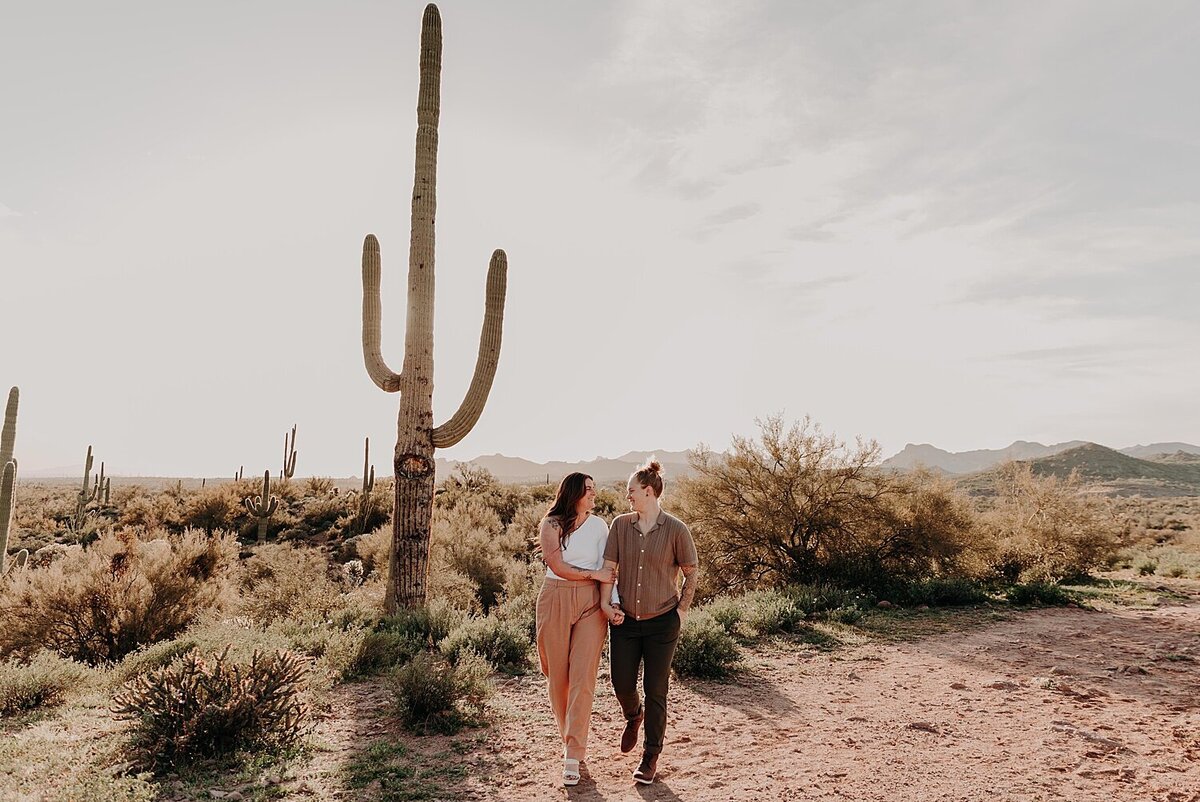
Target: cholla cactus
{"points": [[263, 506], [418, 437], [289, 456]]}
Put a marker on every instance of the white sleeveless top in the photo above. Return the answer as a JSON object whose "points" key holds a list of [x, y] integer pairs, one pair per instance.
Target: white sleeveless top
{"points": [[585, 546]]}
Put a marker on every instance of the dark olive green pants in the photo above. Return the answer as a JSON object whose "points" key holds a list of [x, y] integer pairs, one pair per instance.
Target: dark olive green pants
{"points": [[649, 644]]}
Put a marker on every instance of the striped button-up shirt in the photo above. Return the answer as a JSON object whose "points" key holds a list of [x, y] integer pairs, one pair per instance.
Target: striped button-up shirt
{"points": [[648, 564]]}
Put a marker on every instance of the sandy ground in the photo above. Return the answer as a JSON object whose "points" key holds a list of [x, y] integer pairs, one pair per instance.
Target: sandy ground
{"points": [[1053, 704]]}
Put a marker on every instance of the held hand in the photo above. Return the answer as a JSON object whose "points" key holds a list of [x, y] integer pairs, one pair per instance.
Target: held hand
{"points": [[607, 575], [616, 616]]}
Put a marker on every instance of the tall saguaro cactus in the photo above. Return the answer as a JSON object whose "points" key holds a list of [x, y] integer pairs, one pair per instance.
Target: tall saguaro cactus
{"points": [[263, 506], [8, 471], [86, 495], [417, 437]]}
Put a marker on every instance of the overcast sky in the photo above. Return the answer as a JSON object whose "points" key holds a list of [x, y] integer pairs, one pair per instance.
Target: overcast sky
{"points": [[952, 223]]}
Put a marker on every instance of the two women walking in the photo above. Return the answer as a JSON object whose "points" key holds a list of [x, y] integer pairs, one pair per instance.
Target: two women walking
{"points": [[621, 578]]}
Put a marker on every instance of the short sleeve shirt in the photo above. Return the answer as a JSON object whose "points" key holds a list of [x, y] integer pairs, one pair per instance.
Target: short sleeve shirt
{"points": [[649, 563]]}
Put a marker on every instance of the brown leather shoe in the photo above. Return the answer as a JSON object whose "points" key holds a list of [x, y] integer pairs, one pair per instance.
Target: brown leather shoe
{"points": [[629, 737], [645, 773]]}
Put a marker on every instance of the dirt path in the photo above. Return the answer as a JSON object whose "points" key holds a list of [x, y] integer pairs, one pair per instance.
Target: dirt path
{"points": [[1054, 704]]}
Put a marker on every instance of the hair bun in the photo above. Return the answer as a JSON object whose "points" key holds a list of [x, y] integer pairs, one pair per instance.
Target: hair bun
{"points": [[654, 466]]}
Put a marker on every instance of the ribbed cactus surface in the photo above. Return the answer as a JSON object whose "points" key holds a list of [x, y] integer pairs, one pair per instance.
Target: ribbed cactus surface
{"points": [[417, 436], [289, 456], [8, 435], [7, 480]]}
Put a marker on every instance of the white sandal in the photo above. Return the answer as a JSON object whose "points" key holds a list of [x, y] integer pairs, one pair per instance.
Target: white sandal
{"points": [[570, 771]]}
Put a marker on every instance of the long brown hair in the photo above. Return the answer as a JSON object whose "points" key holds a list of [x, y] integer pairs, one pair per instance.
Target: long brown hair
{"points": [[572, 488]]}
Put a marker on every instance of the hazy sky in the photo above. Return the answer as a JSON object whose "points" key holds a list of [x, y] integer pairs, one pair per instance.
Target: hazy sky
{"points": [[953, 223]]}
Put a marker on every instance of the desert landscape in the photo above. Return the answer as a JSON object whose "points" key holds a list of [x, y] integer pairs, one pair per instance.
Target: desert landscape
{"points": [[714, 212]]}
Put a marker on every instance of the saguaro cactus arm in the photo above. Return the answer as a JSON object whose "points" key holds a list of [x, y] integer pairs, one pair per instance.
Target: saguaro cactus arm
{"points": [[372, 314], [289, 455], [461, 423]]}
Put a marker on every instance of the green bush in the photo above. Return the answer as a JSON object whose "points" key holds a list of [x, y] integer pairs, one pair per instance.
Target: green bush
{"points": [[435, 695], [1041, 593], [705, 649], [42, 682], [1146, 566], [199, 708], [383, 651], [939, 592], [728, 611], [818, 600], [770, 612], [504, 644]]}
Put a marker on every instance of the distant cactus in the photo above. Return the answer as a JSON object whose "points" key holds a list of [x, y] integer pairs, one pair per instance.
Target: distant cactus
{"points": [[263, 506], [413, 463], [86, 494], [289, 456], [364, 498], [6, 507], [237, 477]]}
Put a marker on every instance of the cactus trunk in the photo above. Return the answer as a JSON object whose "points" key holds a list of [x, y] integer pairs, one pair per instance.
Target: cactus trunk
{"points": [[8, 435], [7, 479], [416, 435]]}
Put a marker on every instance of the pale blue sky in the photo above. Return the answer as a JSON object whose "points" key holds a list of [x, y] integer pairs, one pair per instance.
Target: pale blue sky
{"points": [[953, 223]]}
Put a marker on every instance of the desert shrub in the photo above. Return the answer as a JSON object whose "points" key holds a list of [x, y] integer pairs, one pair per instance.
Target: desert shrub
{"points": [[147, 511], [1043, 593], [1145, 565], [43, 681], [469, 539], [151, 657], [215, 508], [705, 649], [937, 592], [435, 695], [1043, 528], [373, 549], [770, 612], [382, 651], [396, 639], [99, 604], [323, 515], [504, 644], [519, 605], [199, 707], [281, 580], [797, 505], [821, 600], [728, 611]]}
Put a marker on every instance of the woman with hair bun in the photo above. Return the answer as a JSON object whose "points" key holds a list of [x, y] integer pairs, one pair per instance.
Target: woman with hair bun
{"points": [[570, 624], [651, 547]]}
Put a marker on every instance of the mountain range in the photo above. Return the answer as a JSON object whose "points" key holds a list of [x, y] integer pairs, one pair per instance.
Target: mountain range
{"points": [[964, 462]]}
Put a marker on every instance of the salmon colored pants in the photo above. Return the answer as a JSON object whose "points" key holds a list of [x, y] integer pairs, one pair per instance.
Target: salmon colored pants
{"points": [[570, 635]]}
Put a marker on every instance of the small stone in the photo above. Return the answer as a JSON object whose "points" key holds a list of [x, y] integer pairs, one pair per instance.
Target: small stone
{"points": [[924, 726], [958, 686], [885, 605], [923, 607], [1003, 685]]}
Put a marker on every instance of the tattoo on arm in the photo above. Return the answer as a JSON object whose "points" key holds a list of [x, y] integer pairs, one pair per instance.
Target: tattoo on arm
{"points": [[691, 573]]}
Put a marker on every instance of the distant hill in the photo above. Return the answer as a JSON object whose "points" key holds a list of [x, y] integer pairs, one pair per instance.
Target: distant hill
{"points": [[1107, 470], [964, 462], [1156, 449], [1183, 457], [967, 462]]}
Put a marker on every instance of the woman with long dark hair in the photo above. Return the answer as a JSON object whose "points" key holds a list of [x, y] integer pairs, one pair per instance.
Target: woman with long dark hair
{"points": [[570, 625]]}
